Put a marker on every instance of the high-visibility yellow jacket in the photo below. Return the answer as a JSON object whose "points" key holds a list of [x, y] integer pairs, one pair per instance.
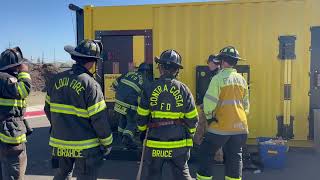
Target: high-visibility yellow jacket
{"points": [[227, 100]]}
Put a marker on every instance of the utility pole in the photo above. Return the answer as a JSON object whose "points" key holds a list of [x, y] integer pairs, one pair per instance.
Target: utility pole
{"points": [[9, 44]]}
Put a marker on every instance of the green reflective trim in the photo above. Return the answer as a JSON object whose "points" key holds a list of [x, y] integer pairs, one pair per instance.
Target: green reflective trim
{"points": [[230, 178], [143, 112], [167, 115], [13, 140], [125, 104], [24, 103], [192, 114], [22, 90], [120, 129], [106, 141], [68, 107], [122, 103], [128, 132], [192, 130], [199, 177], [72, 110], [12, 102], [121, 111], [24, 75], [131, 84], [100, 106], [169, 144], [142, 128], [19, 89], [97, 105], [66, 111], [84, 144], [48, 99]]}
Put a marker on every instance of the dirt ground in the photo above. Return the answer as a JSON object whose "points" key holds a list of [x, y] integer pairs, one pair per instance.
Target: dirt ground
{"points": [[301, 163], [36, 98], [41, 73]]}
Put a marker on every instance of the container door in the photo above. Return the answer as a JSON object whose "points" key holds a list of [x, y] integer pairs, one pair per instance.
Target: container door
{"points": [[118, 54], [123, 51]]}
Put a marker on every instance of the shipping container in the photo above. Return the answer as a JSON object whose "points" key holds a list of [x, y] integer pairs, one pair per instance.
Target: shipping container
{"points": [[280, 40]]}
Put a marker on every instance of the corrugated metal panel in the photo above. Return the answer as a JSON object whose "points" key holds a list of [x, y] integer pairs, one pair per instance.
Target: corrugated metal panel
{"points": [[117, 18], [138, 50], [199, 29]]}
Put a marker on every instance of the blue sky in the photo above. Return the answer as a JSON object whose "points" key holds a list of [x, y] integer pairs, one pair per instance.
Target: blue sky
{"points": [[45, 26]]}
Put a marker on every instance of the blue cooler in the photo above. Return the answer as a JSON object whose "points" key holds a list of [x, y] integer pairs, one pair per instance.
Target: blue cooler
{"points": [[272, 156]]}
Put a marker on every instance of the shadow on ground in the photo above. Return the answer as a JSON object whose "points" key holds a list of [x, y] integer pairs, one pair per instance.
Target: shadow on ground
{"points": [[39, 153], [301, 164]]}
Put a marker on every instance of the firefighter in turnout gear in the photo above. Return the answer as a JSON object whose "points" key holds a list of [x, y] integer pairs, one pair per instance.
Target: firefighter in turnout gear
{"points": [[167, 109], [226, 105], [15, 86], [213, 64], [214, 67], [75, 106], [128, 89]]}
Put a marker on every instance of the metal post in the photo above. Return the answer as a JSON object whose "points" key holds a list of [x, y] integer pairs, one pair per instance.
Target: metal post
{"points": [[316, 117]]}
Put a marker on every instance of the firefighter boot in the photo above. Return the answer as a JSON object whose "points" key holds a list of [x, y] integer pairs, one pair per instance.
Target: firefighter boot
{"points": [[128, 142]]}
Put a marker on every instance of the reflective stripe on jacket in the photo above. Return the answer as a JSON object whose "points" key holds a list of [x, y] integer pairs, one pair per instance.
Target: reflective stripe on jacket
{"points": [[76, 109], [168, 100], [128, 89], [13, 91], [227, 98]]}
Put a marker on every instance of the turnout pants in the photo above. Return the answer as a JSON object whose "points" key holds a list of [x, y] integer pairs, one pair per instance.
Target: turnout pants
{"points": [[153, 168], [13, 160], [127, 123], [232, 145], [85, 168]]}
